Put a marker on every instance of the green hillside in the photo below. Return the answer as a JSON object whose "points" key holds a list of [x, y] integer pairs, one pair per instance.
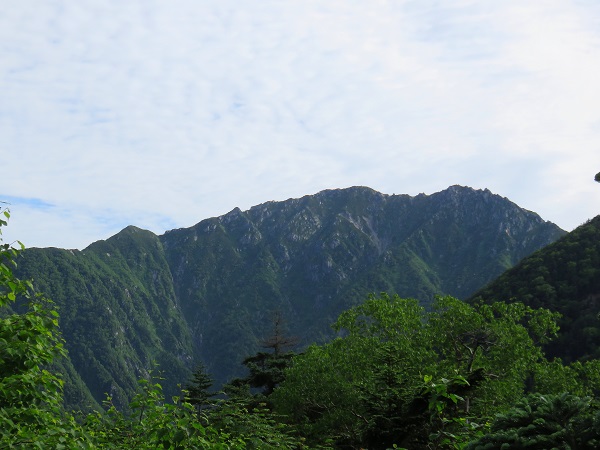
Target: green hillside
{"points": [[118, 312], [207, 293], [563, 277]]}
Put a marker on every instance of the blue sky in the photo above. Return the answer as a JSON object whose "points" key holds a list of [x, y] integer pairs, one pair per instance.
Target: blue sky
{"points": [[161, 114]]}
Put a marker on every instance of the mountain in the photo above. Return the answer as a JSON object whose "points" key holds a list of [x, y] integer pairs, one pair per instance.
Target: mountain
{"points": [[563, 277], [208, 293], [118, 313]]}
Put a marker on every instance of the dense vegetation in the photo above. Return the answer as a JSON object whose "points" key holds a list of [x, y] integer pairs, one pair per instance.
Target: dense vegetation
{"points": [[31, 403], [205, 294], [118, 315], [397, 376], [400, 375], [563, 277]]}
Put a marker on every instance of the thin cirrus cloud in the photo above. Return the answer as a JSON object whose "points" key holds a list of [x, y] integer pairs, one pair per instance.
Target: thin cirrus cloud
{"points": [[163, 114]]}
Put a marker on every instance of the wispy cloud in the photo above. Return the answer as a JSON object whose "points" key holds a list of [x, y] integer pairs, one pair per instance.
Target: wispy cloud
{"points": [[34, 203], [162, 114]]}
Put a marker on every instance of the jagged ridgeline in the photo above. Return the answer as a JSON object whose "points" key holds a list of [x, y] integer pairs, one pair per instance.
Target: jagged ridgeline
{"points": [[563, 277], [208, 293]]}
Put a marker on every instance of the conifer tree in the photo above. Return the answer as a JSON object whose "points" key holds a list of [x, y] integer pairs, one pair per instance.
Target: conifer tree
{"points": [[198, 388], [267, 368], [562, 421]]}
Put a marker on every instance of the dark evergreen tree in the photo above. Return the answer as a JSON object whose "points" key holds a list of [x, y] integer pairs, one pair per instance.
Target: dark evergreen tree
{"points": [[541, 422], [248, 413], [198, 388], [279, 339], [267, 367], [267, 370]]}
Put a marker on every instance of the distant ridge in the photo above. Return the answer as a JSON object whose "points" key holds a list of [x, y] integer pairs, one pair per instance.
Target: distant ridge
{"points": [[207, 292]]}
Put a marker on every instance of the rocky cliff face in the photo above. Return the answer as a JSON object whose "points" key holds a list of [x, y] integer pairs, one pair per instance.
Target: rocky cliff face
{"points": [[207, 292]]}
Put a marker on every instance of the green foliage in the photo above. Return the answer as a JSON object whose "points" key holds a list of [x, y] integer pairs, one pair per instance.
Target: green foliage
{"points": [[562, 421], [578, 378], [253, 424], [450, 430], [119, 315], [30, 395], [155, 424], [562, 277], [368, 388], [204, 293], [196, 390]]}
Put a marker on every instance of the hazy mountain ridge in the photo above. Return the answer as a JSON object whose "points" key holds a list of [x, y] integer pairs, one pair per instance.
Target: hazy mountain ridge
{"points": [[207, 292]]}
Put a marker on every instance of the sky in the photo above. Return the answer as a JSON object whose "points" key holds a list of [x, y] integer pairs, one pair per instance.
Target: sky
{"points": [[160, 114]]}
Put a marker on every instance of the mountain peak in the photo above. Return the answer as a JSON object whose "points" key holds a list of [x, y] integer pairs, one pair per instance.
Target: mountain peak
{"points": [[205, 292]]}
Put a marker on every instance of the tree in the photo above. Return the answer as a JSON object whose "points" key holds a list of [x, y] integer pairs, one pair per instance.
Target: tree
{"points": [[361, 381], [279, 340], [399, 374], [30, 395], [197, 388], [248, 414], [267, 368], [560, 421], [597, 177], [154, 423]]}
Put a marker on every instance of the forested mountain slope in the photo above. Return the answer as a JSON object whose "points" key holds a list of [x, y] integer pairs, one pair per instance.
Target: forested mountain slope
{"points": [[118, 312], [563, 277], [207, 293]]}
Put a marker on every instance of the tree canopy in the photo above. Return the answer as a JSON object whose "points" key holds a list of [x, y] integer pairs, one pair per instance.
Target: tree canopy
{"points": [[399, 374]]}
